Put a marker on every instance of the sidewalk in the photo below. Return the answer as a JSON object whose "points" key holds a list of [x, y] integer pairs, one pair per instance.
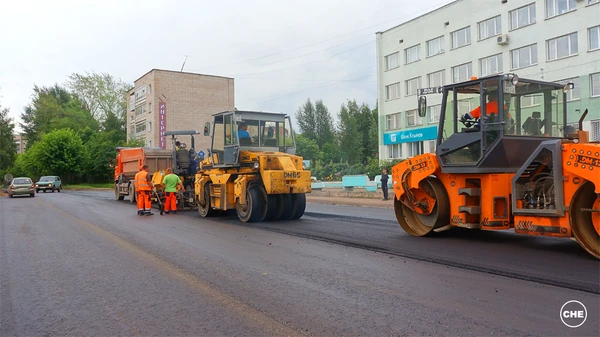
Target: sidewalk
{"points": [[361, 202]]}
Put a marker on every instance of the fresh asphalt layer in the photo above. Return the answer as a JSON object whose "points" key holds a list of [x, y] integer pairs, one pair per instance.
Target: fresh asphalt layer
{"points": [[80, 263]]}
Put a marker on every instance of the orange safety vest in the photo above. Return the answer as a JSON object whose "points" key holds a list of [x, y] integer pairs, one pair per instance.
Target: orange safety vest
{"points": [[141, 182], [490, 108]]}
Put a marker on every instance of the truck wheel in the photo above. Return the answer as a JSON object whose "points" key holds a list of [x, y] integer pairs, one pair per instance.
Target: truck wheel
{"points": [[289, 207], [274, 207], [58, 189], [131, 193], [118, 196], [205, 210], [255, 209], [585, 223], [300, 201]]}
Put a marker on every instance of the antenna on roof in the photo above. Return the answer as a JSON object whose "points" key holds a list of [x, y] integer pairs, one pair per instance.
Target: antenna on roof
{"points": [[183, 63]]}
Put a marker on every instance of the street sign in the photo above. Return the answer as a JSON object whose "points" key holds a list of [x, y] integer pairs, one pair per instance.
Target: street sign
{"points": [[428, 91]]}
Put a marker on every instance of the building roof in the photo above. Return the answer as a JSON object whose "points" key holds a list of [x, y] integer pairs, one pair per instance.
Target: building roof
{"points": [[178, 72], [421, 16]]}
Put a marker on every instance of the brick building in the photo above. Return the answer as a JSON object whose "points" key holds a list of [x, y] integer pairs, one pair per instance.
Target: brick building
{"points": [[21, 142], [164, 100]]}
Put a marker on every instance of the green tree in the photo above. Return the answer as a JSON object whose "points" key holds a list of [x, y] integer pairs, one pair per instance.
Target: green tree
{"points": [[349, 132], [104, 96], [60, 152], [323, 125], [307, 148], [306, 118], [8, 148], [54, 108]]}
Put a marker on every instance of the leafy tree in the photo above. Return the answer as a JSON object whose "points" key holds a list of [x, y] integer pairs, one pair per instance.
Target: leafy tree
{"points": [[8, 148], [323, 125], [307, 120], [60, 152], [51, 109], [349, 132], [104, 96], [307, 148]]}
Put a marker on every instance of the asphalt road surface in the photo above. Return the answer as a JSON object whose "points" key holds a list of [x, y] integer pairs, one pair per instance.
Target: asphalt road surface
{"points": [[80, 263]]}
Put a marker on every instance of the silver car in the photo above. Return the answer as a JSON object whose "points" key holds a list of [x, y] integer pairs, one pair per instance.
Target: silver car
{"points": [[21, 186]]}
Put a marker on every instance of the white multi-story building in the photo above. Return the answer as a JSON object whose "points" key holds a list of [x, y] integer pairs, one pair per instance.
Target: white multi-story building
{"points": [[549, 40]]}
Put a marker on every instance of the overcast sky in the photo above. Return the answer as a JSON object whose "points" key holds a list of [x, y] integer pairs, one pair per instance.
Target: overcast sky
{"points": [[278, 52]]}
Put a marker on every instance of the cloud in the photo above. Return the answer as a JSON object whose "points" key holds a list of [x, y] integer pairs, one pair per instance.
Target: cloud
{"points": [[43, 42]]}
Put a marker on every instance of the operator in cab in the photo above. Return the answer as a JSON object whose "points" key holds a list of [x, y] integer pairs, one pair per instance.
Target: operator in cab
{"points": [[244, 134], [491, 108]]}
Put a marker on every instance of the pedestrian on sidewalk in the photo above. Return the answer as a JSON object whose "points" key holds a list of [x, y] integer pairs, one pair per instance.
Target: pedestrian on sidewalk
{"points": [[384, 184], [172, 182], [143, 187]]}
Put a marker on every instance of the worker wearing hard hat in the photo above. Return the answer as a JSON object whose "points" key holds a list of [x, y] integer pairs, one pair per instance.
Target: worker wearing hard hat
{"points": [[172, 182], [143, 187]]}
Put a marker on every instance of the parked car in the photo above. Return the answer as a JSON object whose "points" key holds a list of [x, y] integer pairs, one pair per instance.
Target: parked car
{"points": [[21, 186], [52, 183]]}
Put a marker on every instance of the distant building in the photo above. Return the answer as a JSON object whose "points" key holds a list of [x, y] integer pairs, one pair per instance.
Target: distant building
{"points": [[549, 40], [164, 100], [21, 142]]}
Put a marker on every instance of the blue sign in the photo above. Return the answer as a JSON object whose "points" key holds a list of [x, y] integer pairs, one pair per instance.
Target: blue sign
{"points": [[411, 135]]}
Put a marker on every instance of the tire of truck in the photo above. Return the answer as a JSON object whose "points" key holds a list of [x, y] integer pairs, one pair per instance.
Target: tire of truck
{"points": [[300, 205], [131, 193], [205, 210], [118, 196], [255, 209], [288, 207], [274, 207]]}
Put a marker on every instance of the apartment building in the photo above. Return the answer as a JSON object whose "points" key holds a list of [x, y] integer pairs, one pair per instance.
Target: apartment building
{"points": [[549, 40], [20, 142], [164, 100]]}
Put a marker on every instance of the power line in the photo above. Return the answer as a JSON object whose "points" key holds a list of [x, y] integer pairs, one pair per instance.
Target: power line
{"points": [[427, 9]]}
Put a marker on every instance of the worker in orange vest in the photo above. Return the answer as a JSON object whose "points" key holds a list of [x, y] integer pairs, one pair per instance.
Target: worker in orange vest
{"points": [[143, 187], [491, 107]]}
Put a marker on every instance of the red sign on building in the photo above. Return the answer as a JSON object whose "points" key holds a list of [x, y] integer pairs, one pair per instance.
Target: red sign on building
{"points": [[162, 123]]}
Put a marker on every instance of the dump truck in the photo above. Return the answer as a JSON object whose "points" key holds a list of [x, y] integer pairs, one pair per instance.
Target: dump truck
{"points": [[518, 166], [182, 160], [252, 167]]}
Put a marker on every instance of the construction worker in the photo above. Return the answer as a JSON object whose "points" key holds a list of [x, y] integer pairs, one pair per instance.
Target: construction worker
{"points": [[172, 182], [491, 107], [143, 186]]}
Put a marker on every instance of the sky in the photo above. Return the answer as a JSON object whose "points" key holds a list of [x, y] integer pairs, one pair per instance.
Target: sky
{"points": [[279, 52]]}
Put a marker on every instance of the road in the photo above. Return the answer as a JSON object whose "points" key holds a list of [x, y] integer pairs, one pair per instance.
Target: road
{"points": [[80, 263]]}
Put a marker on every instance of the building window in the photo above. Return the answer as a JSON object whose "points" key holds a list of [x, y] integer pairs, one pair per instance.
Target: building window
{"points": [[575, 93], [395, 151], [595, 131], [558, 7], [415, 148], [461, 37], [436, 79], [412, 54], [140, 110], [490, 65], [140, 93], [431, 144], [412, 118], [149, 108], [594, 38], [392, 61], [522, 17], [149, 126], [434, 113], [412, 85], [464, 106], [132, 132], [132, 117], [593, 2], [561, 47], [524, 57], [393, 121], [530, 100], [490, 27], [141, 127], [392, 91], [149, 89], [435, 46], [462, 72], [595, 85], [132, 102]]}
